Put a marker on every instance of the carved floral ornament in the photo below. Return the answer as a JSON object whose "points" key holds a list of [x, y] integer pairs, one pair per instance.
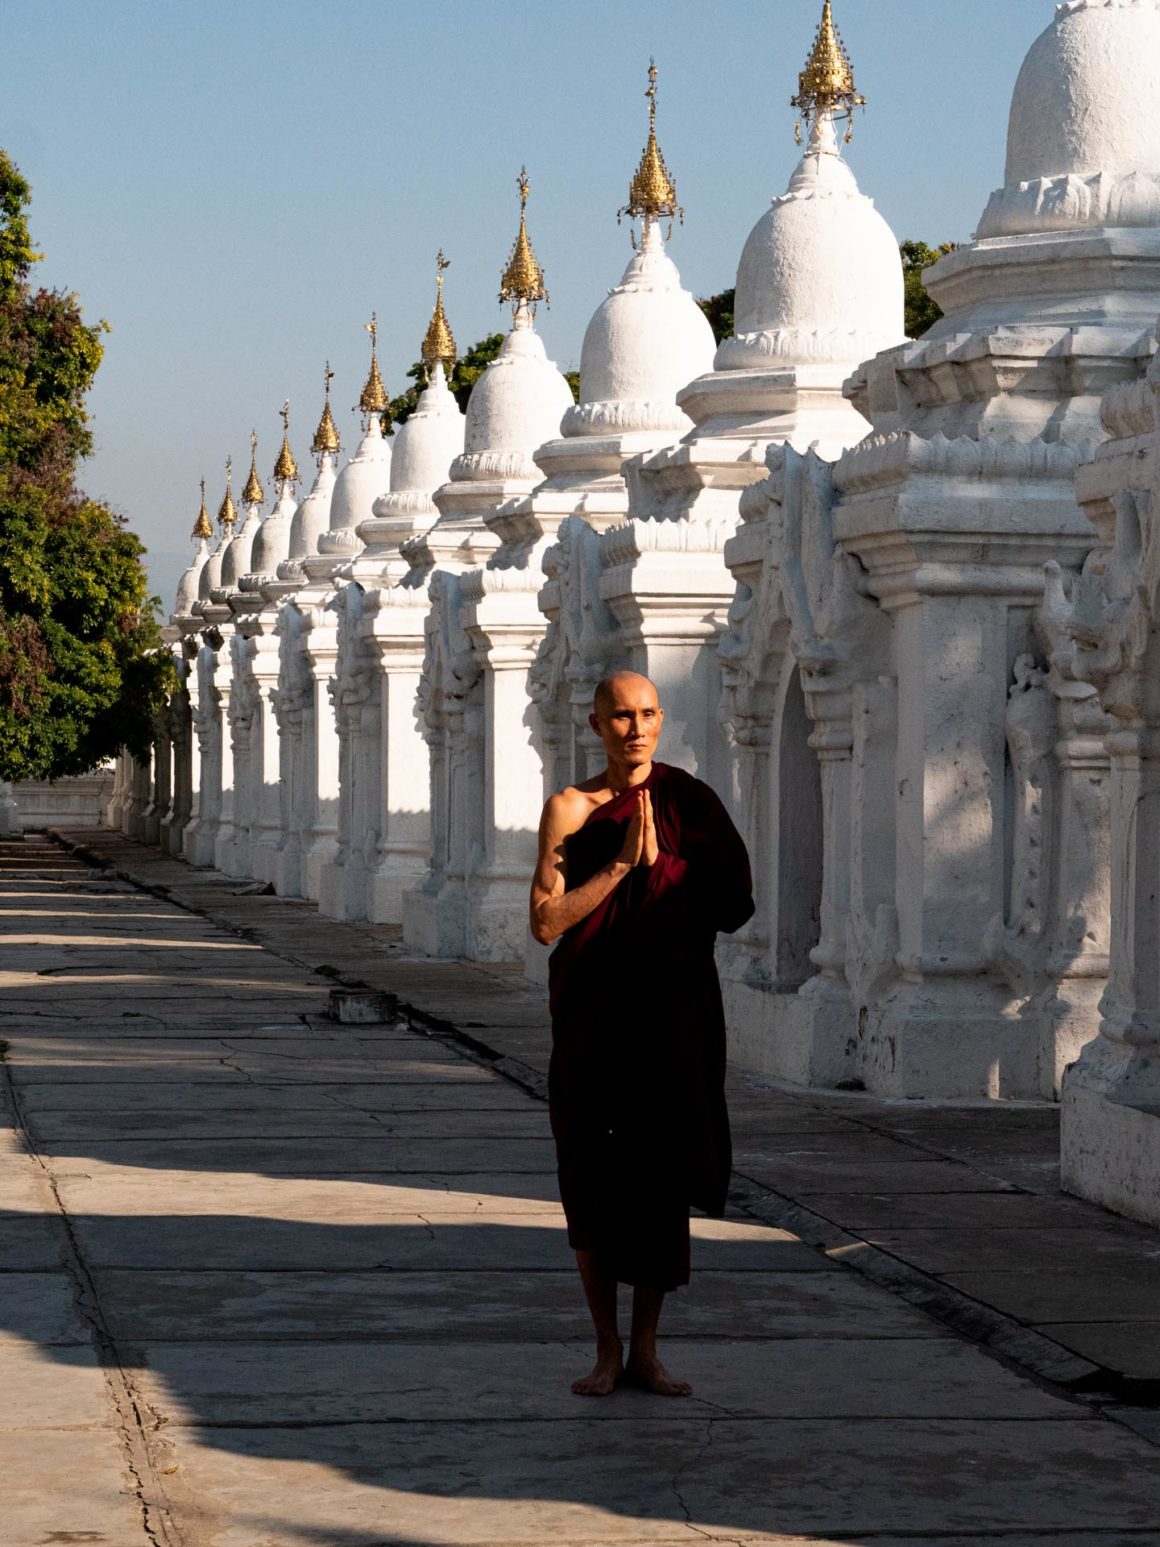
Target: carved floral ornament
{"points": [[809, 597]]}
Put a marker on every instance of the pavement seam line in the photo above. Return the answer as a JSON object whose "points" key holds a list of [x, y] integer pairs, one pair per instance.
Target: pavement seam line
{"points": [[128, 1404]]}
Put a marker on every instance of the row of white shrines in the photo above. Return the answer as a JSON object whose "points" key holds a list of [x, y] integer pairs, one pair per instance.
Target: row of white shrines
{"points": [[900, 599]]}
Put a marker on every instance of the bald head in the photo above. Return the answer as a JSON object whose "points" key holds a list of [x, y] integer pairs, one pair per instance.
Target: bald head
{"points": [[610, 689]]}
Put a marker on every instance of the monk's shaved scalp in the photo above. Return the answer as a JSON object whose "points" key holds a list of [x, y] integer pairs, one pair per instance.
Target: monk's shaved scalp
{"points": [[604, 699]]}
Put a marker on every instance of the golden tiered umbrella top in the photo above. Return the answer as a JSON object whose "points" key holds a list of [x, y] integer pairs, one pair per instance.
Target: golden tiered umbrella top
{"points": [[439, 341], [253, 494], [285, 468], [326, 435], [203, 526], [826, 85], [652, 191], [523, 279], [227, 510], [373, 398]]}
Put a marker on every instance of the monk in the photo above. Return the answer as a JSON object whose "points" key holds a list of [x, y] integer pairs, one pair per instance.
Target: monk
{"points": [[638, 869]]}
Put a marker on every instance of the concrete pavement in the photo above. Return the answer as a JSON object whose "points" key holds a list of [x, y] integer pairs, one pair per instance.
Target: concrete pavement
{"points": [[269, 1280]]}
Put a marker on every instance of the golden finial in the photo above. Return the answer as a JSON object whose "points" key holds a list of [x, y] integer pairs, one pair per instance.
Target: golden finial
{"points": [[202, 527], [326, 435], [285, 468], [439, 341], [652, 191], [826, 85], [374, 399], [252, 494], [523, 279], [227, 510]]}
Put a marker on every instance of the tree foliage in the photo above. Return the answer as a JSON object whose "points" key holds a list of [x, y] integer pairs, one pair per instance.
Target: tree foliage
{"points": [[719, 310], [464, 375], [921, 311], [77, 679]]}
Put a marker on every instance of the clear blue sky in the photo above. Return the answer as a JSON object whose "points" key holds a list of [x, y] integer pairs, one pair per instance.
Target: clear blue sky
{"points": [[235, 184]]}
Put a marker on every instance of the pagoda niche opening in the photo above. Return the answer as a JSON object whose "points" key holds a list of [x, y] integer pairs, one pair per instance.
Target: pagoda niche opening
{"points": [[799, 860]]}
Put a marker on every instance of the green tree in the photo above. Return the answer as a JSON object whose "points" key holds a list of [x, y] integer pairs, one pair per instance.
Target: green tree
{"points": [[78, 674], [921, 311], [719, 310]]}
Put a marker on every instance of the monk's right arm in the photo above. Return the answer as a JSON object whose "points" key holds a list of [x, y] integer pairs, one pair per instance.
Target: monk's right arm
{"points": [[554, 909]]}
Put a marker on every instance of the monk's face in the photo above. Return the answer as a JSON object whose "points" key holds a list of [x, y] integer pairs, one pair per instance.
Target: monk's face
{"points": [[629, 723]]}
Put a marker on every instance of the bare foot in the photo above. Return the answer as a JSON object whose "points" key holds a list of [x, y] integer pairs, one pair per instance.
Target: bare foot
{"points": [[604, 1377], [650, 1375]]}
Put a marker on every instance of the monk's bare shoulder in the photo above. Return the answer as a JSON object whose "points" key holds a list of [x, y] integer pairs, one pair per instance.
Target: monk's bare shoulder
{"points": [[568, 810]]}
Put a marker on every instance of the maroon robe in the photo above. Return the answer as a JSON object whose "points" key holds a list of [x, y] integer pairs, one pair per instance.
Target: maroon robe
{"points": [[637, 1078]]}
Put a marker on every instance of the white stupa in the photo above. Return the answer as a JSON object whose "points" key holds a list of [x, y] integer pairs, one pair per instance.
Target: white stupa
{"points": [[1083, 149], [187, 586], [384, 828], [515, 406], [362, 480], [210, 604], [272, 541], [425, 445], [1068, 248], [646, 339], [952, 506], [237, 560], [819, 286], [312, 517]]}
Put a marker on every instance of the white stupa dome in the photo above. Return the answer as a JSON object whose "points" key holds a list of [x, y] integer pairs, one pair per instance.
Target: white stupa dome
{"points": [[187, 586], [312, 517], [236, 561], [428, 442], [272, 542], [362, 480], [210, 578], [515, 406], [1077, 102], [1083, 148], [820, 277], [647, 338]]}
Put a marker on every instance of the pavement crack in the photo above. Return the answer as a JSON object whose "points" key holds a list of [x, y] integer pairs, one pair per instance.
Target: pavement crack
{"points": [[360, 1111], [690, 1466], [429, 1225]]}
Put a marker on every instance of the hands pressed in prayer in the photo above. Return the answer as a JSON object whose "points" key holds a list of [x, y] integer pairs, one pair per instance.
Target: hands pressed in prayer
{"points": [[640, 841]]}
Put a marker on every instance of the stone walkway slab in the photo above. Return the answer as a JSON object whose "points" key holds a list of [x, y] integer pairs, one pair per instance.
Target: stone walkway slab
{"points": [[312, 1280]]}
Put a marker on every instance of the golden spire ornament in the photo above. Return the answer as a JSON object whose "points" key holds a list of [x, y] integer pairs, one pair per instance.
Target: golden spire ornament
{"points": [[439, 341], [523, 279], [203, 526], [374, 399], [253, 493], [227, 510], [826, 85], [326, 435], [285, 468], [652, 193]]}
